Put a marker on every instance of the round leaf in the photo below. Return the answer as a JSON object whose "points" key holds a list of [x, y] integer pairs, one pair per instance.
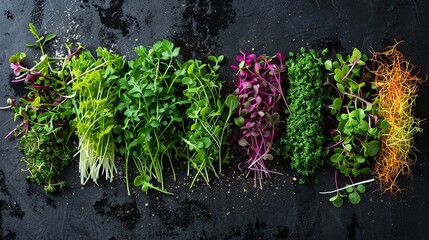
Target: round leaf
{"points": [[361, 188], [336, 200], [354, 197]]}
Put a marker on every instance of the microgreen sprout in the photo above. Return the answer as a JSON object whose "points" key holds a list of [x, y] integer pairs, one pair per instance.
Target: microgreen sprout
{"points": [[357, 129], [95, 87], [10, 103], [45, 116], [303, 137], [208, 115], [150, 102], [259, 83]]}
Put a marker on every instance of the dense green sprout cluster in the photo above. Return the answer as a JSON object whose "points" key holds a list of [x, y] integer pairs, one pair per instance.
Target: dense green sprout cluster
{"points": [[303, 137]]}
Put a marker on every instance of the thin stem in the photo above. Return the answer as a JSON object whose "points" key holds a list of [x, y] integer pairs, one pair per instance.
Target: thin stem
{"points": [[349, 186]]}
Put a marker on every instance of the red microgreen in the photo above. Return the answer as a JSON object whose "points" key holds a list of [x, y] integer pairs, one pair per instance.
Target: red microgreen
{"points": [[259, 91]]}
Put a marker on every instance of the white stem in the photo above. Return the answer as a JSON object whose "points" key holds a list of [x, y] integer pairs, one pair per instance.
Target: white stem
{"points": [[354, 184]]}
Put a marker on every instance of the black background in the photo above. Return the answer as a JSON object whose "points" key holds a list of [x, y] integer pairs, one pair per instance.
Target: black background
{"points": [[231, 208]]}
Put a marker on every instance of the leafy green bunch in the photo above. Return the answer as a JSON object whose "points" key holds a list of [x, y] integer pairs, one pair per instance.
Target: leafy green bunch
{"points": [[172, 110], [45, 113], [207, 115], [151, 102], [356, 129], [94, 83], [303, 136]]}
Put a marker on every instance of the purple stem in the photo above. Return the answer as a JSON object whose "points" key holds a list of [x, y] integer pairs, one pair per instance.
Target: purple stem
{"points": [[335, 177]]}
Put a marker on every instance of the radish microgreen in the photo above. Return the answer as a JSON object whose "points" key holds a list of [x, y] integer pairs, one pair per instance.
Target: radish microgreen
{"points": [[259, 90], [356, 127]]}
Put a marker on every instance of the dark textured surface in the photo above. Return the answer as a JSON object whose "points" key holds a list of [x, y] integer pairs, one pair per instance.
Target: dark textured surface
{"points": [[231, 208]]}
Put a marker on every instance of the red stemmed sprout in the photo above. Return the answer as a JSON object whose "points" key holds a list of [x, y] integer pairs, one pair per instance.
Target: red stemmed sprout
{"points": [[259, 90]]}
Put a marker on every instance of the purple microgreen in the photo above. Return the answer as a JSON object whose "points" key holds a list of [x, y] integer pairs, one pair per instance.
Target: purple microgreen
{"points": [[259, 90]]}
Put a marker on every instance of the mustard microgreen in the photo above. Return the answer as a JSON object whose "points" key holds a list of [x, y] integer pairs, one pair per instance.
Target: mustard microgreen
{"points": [[259, 90], [303, 138]]}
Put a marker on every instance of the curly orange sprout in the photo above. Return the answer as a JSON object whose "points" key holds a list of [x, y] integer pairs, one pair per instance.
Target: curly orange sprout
{"points": [[396, 82]]}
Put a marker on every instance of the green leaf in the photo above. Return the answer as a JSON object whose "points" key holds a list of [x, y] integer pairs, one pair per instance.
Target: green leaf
{"points": [[187, 81], [33, 30], [336, 200], [241, 65], [354, 197], [17, 57], [269, 157], [353, 86], [336, 158], [50, 37], [195, 126], [360, 188], [190, 69], [363, 126], [340, 87], [328, 65], [365, 171], [232, 102], [356, 55], [349, 189], [176, 52], [154, 123], [243, 142], [212, 58], [340, 58], [239, 122], [206, 141], [360, 159], [337, 103], [384, 125], [345, 69], [348, 147], [138, 181], [371, 149], [205, 111]]}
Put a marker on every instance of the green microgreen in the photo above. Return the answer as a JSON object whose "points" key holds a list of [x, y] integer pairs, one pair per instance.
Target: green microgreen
{"points": [[356, 128], [208, 116], [151, 102], [45, 113], [303, 137], [94, 82]]}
